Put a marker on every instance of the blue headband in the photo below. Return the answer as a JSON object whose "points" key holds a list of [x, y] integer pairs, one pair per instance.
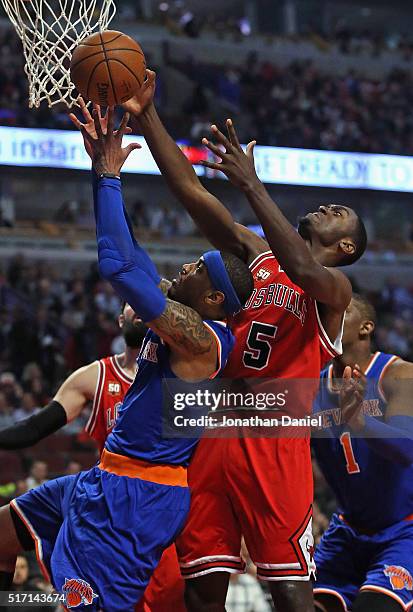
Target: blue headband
{"points": [[221, 281]]}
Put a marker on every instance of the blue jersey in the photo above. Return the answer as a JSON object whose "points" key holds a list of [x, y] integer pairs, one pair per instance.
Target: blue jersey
{"points": [[372, 491], [147, 412]]}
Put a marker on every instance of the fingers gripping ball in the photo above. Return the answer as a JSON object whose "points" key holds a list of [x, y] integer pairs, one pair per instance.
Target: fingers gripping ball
{"points": [[108, 68]]}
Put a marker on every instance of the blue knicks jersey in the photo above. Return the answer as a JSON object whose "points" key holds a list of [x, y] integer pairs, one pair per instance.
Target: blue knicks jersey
{"points": [[139, 431], [372, 491]]}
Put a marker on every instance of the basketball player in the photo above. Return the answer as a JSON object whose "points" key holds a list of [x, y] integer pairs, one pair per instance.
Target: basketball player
{"points": [[166, 586], [103, 383], [88, 539], [365, 558], [289, 328]]}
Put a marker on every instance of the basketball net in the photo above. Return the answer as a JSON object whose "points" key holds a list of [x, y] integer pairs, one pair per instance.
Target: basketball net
{"points": [[49, 31]]}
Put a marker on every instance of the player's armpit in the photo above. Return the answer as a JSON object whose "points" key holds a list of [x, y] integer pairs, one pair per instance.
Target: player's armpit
{"points": [[77, 390], [193, 347]]}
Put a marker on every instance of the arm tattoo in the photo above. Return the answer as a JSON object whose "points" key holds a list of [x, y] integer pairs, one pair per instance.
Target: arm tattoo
{"points": [[182, 327]]}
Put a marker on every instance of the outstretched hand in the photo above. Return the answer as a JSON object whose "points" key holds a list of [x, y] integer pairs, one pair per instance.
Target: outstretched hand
{"points": [[352, 397], [89, 123], [136, 105], [104, 144], [235, 164]]}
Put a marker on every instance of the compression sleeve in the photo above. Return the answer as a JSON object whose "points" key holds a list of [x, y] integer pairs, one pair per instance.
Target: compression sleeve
{"points": [[118, 262], [141, 256], [393, 440], [33, 429]]}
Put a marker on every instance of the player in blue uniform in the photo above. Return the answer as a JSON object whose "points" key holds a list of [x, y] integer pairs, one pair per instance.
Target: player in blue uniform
{"points": [[100, 534], [365, 558]]}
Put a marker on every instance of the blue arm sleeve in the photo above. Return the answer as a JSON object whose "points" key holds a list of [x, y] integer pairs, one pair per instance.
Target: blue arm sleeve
{"points": [[393, 440], [141, 256], [118, 261]]}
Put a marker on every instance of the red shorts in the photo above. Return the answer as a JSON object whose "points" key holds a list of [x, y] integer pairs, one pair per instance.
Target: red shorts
{"points": [[165, 590], [259, 488]]}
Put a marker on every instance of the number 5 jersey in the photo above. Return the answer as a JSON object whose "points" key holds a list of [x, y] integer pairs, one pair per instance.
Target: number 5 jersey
{"points": [[261, 487]]}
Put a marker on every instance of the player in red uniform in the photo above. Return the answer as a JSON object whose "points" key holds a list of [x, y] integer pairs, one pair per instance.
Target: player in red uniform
{"points": [[291, 327], [104, 383]]}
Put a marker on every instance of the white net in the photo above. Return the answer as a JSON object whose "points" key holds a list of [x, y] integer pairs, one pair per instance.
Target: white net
{"points": [[50, 30]]}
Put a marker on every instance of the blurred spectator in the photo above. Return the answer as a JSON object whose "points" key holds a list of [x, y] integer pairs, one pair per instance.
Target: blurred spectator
{"points": [[139, 214], [73, 467], [197, 103], [118, 345], [7, 211], [34, 382], [67, 213], [25, 580], [38, 474], [28, 407], [6, 412], [107, 301], [11, 388], [21, 574]]}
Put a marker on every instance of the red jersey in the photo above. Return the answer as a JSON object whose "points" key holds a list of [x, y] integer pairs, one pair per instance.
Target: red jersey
{"points": [[278, 333], [112, 385]]}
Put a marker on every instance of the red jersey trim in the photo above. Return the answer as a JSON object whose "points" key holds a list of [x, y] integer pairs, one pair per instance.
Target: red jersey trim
{"points": [[260, 258], [208, 565], [219, 347], [91, 424], [119, 370], [333, 348], [384, 370]]}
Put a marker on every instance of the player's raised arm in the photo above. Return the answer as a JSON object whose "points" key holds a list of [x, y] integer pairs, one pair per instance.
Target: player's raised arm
{"points": [[126, 266], [327, 285], [210, 215], [65, 407]]}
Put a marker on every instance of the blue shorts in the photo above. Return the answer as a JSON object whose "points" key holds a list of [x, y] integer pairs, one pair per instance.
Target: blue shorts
{"points": [[99, 536], [348, 561]]}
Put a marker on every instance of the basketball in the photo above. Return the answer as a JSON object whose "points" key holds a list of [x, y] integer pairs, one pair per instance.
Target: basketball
{"points": [[73, 599], [108, 68]]}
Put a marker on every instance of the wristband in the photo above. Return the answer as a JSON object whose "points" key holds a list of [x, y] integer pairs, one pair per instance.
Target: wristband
{"points": [[109, 175]]}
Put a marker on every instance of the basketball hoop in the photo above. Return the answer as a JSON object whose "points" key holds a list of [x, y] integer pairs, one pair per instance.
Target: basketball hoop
{"points": [[50, 30]]}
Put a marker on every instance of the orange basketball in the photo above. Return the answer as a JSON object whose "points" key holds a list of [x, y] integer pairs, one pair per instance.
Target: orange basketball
{"points": [[397, 582], [108, 68], [73, 599]]}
